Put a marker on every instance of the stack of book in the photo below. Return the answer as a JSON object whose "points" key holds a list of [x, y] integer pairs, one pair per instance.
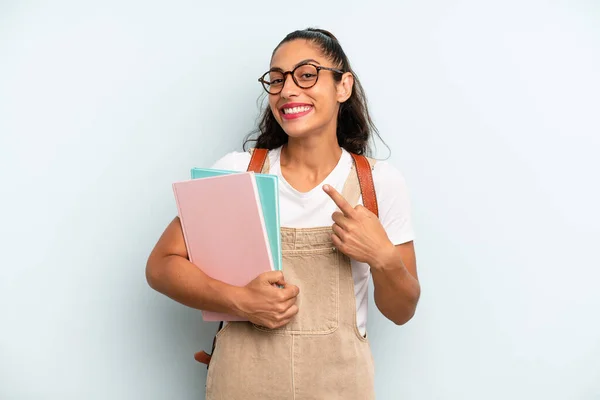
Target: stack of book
{"points": [[230, 223]]}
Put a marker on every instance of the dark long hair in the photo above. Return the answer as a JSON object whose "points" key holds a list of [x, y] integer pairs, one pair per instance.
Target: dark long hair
{"points": [[354, 124]]}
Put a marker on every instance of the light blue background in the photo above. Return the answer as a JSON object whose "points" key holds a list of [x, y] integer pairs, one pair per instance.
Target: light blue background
{"points": [[492, 111]]}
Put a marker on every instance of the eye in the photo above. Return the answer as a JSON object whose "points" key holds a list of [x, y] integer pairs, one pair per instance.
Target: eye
{"points": [[306, 73]]}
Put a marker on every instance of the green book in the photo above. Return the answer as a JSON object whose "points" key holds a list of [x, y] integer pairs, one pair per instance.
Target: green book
{"points": [[269, 198]]}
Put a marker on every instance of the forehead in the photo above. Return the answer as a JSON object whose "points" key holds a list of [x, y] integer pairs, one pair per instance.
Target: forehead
{"points": [[291, 53]]}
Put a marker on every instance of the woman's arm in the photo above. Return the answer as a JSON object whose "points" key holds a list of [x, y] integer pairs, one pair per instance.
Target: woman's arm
{"points": [[397, 288], [169, 272], [358, 233]]}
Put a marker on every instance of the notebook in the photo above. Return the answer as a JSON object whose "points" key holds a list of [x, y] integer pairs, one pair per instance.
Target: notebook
{"points": [[224, 230], [269, 198]]}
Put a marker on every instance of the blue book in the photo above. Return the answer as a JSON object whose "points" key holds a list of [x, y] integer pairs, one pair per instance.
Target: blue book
{"points": [[269, 199]]}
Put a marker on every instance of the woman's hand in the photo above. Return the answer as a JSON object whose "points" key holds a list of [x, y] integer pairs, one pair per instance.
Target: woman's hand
{"points": [[266, 304], [358, 233]]}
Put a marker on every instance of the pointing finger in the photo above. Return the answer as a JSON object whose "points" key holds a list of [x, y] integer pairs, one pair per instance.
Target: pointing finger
{"points": [[339, 200]]}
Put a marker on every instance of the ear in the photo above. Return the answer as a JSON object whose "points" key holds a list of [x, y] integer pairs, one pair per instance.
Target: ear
{"points": [[344, 87]]}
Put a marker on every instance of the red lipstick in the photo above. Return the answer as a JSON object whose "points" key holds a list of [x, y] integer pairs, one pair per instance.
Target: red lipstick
{"points": [[295, 110]]}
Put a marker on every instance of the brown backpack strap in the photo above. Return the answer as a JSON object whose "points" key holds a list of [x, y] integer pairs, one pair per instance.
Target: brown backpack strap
{"points": [[365, 180], [257, 161], [202, 356]]}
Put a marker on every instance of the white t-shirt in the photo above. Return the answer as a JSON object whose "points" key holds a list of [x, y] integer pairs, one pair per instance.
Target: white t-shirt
{"points": [[314, 208]]}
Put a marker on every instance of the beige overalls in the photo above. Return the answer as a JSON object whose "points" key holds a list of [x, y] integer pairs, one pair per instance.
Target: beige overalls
{"points": [[320, 354]]}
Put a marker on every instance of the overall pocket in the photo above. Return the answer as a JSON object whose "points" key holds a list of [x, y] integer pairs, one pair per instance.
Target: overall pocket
{"points": [[317, 275]]}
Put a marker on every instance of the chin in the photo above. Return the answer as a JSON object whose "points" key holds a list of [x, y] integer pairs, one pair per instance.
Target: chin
{"points": [[297, 133], [299, 130]]}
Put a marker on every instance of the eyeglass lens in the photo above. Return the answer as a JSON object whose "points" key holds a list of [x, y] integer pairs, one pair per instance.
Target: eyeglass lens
{"points": [[305, 77]]}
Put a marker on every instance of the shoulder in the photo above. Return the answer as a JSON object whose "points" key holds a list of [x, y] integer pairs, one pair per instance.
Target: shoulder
{"points": [[233, 161], [239, 160], [394, 203], [387, 177]]}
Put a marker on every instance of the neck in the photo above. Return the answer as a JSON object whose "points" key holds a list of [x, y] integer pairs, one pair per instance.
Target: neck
{"points": [[314, 154]]}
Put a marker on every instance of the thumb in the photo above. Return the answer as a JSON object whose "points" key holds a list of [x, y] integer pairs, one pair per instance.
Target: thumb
{"points": [[274, 277]]}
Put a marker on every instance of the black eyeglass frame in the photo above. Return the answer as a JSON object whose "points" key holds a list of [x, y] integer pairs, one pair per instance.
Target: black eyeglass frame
{"points": [[264, 82]]}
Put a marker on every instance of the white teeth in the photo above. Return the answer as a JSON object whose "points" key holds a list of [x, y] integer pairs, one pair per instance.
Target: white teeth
{"points": [[295, 110]]}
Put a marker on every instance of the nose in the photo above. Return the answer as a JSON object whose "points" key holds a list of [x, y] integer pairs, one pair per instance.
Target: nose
{"points": [[290, 88]]}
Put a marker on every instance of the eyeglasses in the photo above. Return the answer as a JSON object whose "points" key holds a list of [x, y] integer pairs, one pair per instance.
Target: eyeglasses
{"points": [[305, 76]]}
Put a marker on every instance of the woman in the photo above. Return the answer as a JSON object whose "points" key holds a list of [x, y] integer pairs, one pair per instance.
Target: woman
{"points": [[306, 338]]}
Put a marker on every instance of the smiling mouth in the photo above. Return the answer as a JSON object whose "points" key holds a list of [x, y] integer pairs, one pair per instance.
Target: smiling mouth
{"points": [[295, 112]]}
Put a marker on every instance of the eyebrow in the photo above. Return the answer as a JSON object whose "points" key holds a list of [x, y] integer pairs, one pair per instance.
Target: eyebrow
{"points": [[301, 62]]}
